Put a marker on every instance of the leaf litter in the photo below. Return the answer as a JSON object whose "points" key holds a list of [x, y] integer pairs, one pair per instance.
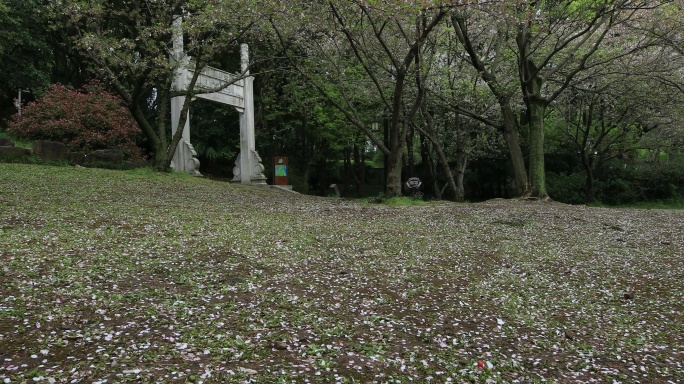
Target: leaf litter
{"points": [[115, 277]]}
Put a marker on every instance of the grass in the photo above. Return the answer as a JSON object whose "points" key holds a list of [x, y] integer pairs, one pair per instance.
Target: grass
{"points": [[677, 203], [116, 276], [394, 201], [17, 142]]}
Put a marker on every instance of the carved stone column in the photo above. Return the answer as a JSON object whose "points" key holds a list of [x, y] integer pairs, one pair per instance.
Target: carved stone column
{"points": [[248, 164], [185, 156]]}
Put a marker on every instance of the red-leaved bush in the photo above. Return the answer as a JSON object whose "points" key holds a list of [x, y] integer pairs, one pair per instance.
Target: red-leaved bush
{"points": [[84, 120]]}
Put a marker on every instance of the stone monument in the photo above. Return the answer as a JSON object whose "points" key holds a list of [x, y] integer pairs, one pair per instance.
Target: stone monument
{"points": [[222, 87]]}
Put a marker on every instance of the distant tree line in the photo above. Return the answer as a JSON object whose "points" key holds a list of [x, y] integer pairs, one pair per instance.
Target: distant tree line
{"points": [[579, 101]]}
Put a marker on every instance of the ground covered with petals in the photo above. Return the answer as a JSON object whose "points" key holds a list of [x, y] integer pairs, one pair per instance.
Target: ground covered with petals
{"points": [[115, 277]]}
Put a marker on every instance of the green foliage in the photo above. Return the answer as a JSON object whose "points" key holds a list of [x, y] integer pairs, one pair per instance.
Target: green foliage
{"points": [[662, 180], [566, 188], [618, 191], [18, 142], [29, 159], [675, 203], [84, 121], [627, 182], [297, 180], [296, 121], [639, 181], [23, 47], [128, 45], [215, 131]]}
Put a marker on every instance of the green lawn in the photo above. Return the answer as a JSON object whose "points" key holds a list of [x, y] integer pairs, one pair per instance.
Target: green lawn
{"points": [[113, 276]]}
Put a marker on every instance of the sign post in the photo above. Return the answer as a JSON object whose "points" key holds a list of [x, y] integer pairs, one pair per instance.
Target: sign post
{"points": [[414, 187], [280, 174]]}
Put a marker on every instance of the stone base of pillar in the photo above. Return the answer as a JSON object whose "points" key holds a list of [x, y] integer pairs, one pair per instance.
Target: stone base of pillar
{"points": [[185, 159], [257, 169], [259, 180], [193, 164]]}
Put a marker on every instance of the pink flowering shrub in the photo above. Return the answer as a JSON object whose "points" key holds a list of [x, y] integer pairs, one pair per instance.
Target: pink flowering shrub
{"points": [[84, 120]]}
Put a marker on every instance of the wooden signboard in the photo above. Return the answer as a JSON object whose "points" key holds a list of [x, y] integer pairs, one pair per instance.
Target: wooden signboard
{"points": [[280, 174]]}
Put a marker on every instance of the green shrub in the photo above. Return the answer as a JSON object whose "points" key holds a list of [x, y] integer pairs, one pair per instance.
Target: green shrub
{"points": [[661, 180], [28, 159], [618, 191], [620, 183], [297, 180], [567, 189], [640, 181]]}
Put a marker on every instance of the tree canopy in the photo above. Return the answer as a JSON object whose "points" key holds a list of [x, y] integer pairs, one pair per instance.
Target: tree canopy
{"points": [[446, 82]]}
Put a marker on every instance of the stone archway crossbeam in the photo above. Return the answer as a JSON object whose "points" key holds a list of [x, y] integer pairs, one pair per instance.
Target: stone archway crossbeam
{"points": [[222, 87]]}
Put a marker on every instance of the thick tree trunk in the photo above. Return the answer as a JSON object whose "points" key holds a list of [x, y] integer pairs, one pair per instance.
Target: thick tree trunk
{"points": [[531, 84], [512, 138], [394, 173], [438, 191], [397, 139], [159, 161], [461, 164], [157, 146], [536, 157]]}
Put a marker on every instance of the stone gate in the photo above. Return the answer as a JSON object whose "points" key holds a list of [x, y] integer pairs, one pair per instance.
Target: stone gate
{"points": [[222, 87]]}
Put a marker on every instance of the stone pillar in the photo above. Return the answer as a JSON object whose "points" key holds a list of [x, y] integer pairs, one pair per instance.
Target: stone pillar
{"points": [[182, 156], [249, 163], [246, 120], [184, 159]]}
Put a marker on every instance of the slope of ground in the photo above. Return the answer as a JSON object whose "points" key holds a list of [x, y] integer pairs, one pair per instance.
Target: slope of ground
{"points": [[114, 277]]}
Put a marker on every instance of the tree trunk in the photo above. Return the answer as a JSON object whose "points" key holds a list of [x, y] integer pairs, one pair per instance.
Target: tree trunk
{"points": [[531, 84], [429, 132], [433, 175], [512, 138], [461, 163], [536, 140], [510, 124], [409, 150], [394, 173], [397, 140], [159, 161], [589, 183], [445, 168], [357, 171], [426, 161]]}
